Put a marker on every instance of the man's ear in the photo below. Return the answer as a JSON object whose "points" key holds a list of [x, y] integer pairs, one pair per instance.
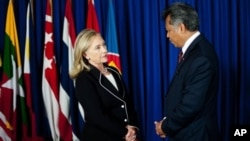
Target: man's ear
{"points": [[182, 28]]}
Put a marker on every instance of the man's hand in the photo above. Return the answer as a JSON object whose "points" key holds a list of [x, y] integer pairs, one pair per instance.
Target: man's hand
{"points": [[158, 129]]}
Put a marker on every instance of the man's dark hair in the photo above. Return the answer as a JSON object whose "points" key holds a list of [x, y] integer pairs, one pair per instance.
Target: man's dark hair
{"points": [[182, 13]]}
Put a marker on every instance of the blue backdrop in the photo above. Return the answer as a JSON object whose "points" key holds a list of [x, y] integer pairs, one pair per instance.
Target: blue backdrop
{"points": [[147, 58]]}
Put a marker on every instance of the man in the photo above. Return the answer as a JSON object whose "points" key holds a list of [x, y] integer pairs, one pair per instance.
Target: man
{"points": [[190, 103]]}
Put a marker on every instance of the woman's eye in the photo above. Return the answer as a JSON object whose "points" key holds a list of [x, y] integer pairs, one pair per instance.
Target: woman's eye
{"points": [[97, 47]]}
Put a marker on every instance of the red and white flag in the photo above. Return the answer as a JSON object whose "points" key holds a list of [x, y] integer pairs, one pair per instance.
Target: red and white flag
{"points": [[59, 125]]}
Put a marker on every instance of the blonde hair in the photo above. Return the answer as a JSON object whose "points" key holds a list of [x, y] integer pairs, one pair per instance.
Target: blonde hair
{"points": [[82, 43]]}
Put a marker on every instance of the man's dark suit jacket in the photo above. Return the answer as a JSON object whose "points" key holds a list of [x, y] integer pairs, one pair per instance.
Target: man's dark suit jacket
{"points": [[190, 103], [107, 110]]}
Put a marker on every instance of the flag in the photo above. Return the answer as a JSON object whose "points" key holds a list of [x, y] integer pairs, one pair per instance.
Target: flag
{"points": [[27, 78], [68, 101], [59, 126], [111, 39], [36, 38], [12, 96], [92, 21], [27, 64], [49, 76], [5, 134]]}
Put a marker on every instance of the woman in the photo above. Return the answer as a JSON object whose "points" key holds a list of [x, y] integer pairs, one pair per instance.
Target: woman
{"points": [[108, 109]]}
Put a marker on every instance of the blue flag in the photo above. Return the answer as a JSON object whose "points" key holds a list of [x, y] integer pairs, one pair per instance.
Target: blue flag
{"points": [[111, 39]]}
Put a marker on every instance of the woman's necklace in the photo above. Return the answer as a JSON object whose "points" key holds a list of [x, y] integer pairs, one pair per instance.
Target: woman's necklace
{"points": [[105, 70]]}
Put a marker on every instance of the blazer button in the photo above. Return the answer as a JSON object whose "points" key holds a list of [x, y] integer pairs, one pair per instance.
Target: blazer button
{"points": [[125, 120], [122, 106]]}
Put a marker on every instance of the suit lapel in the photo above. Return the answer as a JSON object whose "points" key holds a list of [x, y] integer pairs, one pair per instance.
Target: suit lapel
{"points": [[187, 53], [118, 82], [106, 84], [192, 46]]}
